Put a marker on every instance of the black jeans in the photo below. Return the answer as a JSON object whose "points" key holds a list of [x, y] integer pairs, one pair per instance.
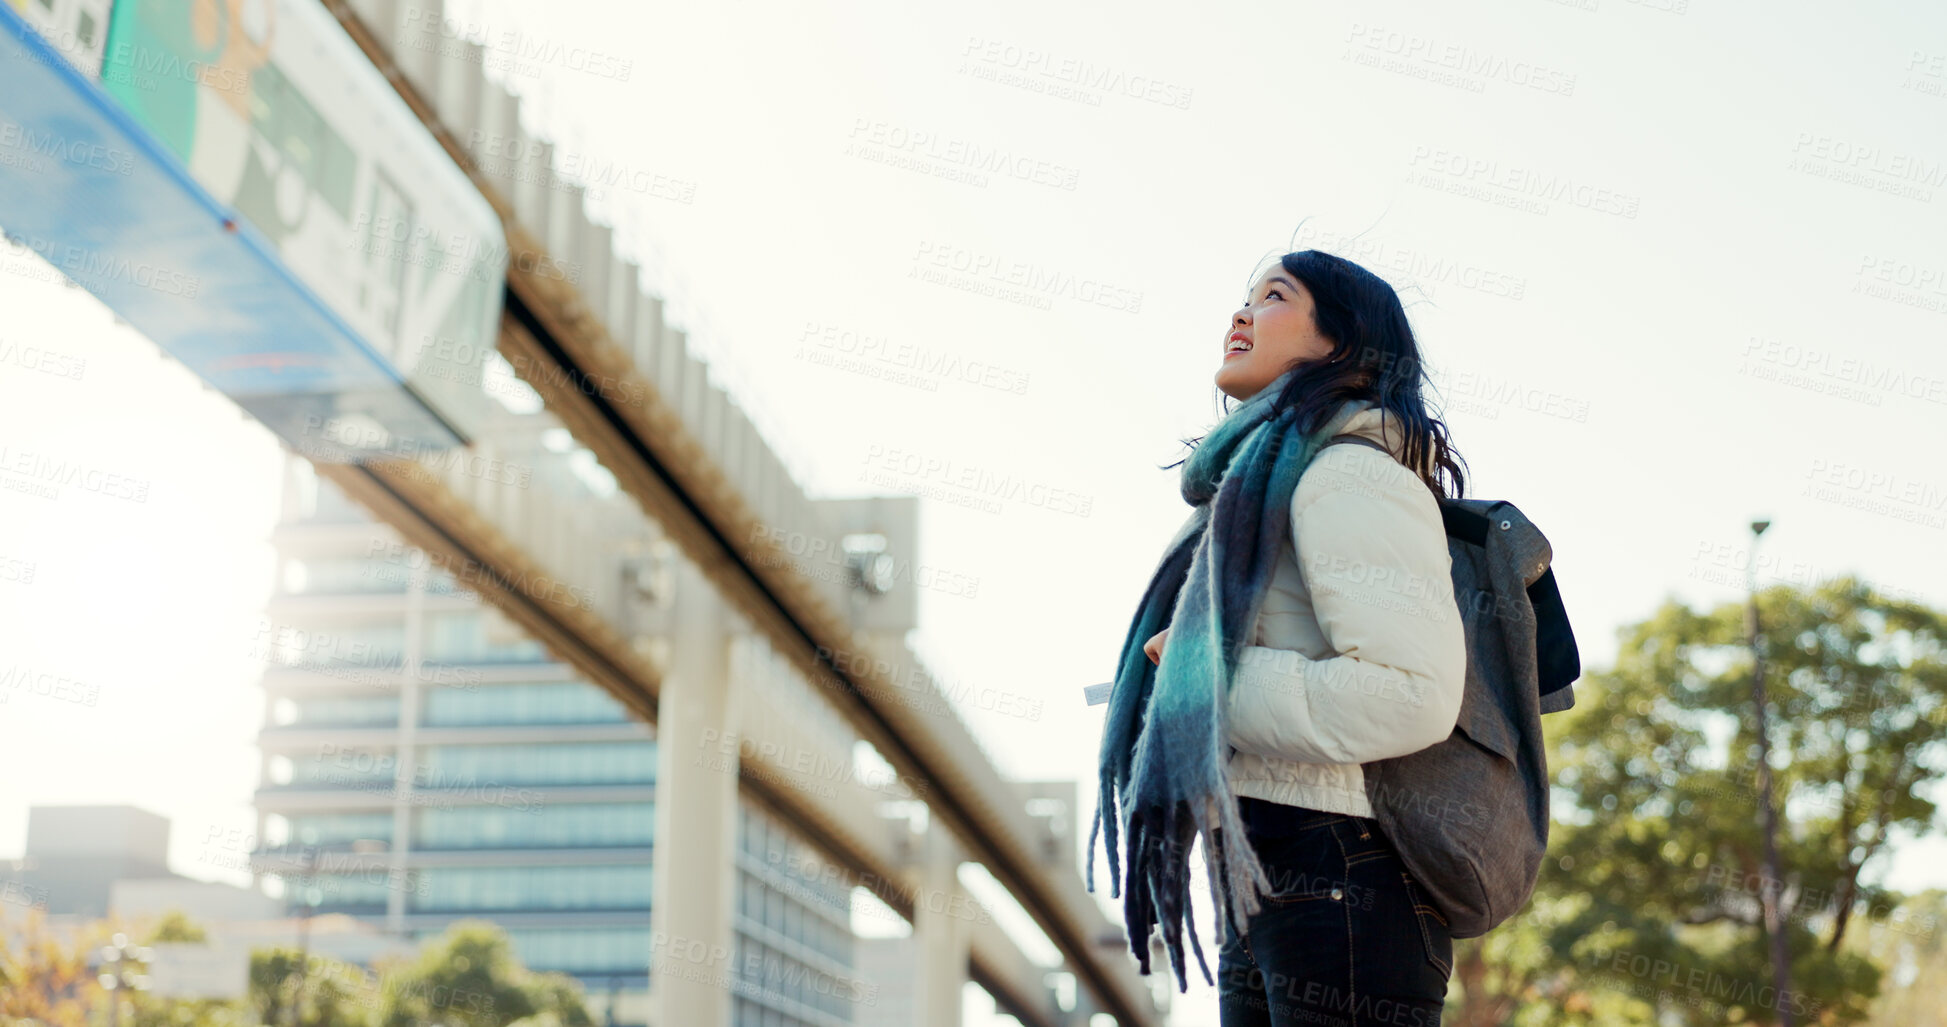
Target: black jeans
{"points": [[1344, 940]]}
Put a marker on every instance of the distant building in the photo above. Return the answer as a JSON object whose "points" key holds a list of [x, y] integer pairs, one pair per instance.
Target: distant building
{"points": [[75, 854], [88, 863], [425, 762]]}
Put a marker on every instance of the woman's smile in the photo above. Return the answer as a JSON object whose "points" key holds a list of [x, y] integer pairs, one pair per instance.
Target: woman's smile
{"points": [[1277, 319]]}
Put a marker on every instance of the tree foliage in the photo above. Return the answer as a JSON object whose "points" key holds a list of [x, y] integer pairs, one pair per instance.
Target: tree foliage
{"points": [[467, 977], [175, 926], [288, 986], [1648, 909], [45, 977]]}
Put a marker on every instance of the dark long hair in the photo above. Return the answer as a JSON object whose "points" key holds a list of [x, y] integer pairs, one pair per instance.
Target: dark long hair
{"points": [[1374, 356]]}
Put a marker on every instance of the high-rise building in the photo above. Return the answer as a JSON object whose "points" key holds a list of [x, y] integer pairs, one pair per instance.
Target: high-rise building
{"points": [[425, 762]]}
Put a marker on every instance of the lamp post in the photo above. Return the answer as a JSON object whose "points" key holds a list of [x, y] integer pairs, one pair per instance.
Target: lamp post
{"points": [[309, 862], [116, 974], [1768, 895]]}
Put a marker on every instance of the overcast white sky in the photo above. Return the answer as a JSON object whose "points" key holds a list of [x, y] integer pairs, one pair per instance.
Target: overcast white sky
{"points": [[1630, 361]]}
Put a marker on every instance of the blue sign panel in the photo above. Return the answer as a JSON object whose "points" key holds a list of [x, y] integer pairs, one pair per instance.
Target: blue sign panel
{"points": [[118, 210]]}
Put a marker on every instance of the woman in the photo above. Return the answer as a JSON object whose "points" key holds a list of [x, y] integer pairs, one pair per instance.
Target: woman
{"points": [[1346, 646]]}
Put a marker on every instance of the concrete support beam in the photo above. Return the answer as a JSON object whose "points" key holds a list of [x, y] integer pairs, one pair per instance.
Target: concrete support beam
{"points": [[945, 940], [696, 816]]}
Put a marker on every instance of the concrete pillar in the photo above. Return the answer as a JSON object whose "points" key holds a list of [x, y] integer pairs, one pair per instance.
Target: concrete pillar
{"points": [[941, 930], [692, 945]]}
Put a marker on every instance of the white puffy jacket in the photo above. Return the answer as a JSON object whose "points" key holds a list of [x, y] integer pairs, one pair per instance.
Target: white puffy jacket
{"points": [[1358, 653]]}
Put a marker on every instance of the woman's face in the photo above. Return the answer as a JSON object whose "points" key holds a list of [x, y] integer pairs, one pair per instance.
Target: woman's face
{"points": [[1272, 331]]}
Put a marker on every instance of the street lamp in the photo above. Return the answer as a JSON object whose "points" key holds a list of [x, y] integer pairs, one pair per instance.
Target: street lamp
{"points": [[308, 859], [309, 862], [1768, 895], [116, 974]]}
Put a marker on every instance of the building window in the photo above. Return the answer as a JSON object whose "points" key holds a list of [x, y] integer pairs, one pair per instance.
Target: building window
{"points": [[344, 575], [372, 769], [332, 646], [553, 825], [463, 637], [508, 889], [339, 711], [339, 828], [590, 950], [571, 763], [565, 702], [351, 892]]}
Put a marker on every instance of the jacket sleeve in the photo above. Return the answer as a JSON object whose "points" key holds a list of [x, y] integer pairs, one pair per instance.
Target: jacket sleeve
{"points": [[1373, 554]]}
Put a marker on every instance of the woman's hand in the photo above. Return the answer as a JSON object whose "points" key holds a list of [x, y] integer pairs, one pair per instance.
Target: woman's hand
{"points": [[1154, 647]]}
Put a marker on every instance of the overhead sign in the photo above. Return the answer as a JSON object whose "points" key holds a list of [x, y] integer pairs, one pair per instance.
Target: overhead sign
{"points": [[244, 187]]}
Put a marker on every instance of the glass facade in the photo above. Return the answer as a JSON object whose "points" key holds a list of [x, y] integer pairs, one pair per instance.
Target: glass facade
{"points": [[341, 711], [370, 644], [561, 702], [342, 575], [340, 828], [462, 637], [529, 888], [549, 825], [364, 769], [362, 891], [794, 959], [508, 810], [538, 763], [585, 950]]}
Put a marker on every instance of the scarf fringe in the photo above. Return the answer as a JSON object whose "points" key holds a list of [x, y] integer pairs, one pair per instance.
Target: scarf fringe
{"points": [[1163, 783], [1158, 894]]}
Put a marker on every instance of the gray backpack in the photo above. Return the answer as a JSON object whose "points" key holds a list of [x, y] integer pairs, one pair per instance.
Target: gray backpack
{"points": [[1469, 816]]}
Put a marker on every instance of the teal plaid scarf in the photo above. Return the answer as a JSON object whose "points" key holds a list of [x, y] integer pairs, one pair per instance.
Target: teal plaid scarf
{"points": [[1164, 742]]}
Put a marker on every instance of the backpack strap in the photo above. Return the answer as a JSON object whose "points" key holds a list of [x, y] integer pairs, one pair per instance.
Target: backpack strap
{"points": [[1463, 524], [1558, 662], [1360, 439]]}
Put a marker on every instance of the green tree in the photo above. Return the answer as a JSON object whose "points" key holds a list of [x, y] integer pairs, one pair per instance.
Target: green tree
{"points": [[45, 978], [469, 977], [329, 992], [175, 926], [1648, 909]]}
